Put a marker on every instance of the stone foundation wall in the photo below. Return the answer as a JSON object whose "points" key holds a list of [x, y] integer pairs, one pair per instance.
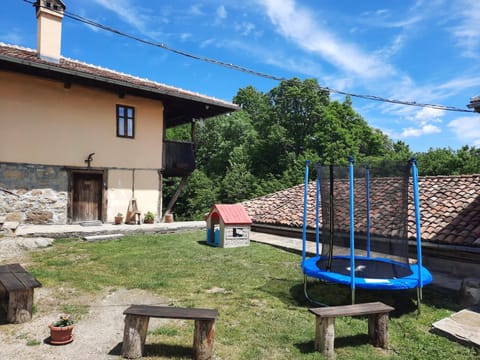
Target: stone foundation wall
{"points": [[33, 194]]}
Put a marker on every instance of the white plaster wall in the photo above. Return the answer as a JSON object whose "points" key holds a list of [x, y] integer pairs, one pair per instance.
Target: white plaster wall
{"points": [[43, 123]]}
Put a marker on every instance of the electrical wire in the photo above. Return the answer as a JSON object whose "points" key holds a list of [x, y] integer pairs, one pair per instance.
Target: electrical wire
{"points": [[247, 70]]}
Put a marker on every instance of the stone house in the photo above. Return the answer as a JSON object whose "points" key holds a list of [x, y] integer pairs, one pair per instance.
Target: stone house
{"points": [[78, 142]]}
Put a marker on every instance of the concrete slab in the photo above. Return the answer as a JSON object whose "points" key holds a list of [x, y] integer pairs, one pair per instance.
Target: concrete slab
{"points": [[103, 237], [463, 326]]}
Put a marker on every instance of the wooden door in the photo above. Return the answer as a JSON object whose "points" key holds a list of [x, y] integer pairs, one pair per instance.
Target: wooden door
{"points": [[87, 197]]}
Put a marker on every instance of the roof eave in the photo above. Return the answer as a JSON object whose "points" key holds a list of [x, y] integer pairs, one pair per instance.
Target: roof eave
{"points": [[182, 106]]}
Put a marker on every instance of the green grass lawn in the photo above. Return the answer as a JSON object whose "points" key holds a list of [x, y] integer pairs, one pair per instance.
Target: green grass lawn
{"points": [[258, 291]]}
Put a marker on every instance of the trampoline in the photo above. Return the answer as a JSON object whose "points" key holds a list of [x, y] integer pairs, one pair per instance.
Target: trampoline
{"points": [[364, 228]]}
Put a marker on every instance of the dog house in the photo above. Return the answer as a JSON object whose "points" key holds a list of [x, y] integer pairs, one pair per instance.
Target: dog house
{"points": [[228, 225]]}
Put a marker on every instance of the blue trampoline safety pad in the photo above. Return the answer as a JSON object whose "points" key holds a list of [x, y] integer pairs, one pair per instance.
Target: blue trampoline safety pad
{"points": [[310, 268]]}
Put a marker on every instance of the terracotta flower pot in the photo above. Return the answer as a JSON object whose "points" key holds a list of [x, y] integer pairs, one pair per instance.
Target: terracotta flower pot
{"points": [[61, 335]]}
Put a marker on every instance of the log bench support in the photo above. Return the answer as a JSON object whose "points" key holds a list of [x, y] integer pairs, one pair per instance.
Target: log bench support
{"points": [[136, 326], [325, 324]]}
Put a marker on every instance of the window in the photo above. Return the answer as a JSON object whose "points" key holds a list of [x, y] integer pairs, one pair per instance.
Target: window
{"points": [[125, 121]]}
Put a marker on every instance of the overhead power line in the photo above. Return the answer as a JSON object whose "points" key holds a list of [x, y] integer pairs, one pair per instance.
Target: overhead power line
{"points": [[247, 70]]}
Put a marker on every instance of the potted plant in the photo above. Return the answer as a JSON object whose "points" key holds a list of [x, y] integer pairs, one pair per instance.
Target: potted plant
{"points": [[61, 330], [148, 218], [119, 218]]}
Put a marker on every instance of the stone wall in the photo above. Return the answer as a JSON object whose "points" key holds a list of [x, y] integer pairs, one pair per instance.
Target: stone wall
{"points": [[33, 194]]}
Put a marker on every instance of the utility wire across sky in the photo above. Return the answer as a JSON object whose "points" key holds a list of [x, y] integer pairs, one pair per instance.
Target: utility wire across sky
{"points": [[246, 70]]}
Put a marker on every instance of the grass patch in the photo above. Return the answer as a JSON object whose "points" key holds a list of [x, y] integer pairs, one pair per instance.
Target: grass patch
{"points": [[33, 342], [164, 331], [258, 291]]}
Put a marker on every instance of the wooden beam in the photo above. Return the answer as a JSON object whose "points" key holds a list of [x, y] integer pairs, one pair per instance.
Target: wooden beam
{"points": [[175, 196]]}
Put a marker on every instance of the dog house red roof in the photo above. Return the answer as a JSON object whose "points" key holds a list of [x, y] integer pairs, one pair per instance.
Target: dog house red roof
{"points": [[230, 214]]}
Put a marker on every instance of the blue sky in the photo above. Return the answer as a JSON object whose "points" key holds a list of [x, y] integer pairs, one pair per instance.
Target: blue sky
{"points": [[423, 51]]}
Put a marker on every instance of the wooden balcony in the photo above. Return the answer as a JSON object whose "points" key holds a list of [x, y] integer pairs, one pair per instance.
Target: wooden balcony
{"points": [[178, 158]]}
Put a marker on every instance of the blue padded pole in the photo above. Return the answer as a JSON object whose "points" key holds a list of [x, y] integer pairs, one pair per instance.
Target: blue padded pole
{"points": [[317, 213], [367, 183], [305, 202], [352, 230], [416, 201]]}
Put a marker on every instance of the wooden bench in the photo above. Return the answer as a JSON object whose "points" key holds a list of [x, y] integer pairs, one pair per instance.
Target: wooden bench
{"points": [[325, 324], [136, 326], [16, 293]]}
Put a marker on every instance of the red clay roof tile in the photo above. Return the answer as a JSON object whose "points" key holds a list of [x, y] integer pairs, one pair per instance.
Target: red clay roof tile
{"points": [[450, 209]]}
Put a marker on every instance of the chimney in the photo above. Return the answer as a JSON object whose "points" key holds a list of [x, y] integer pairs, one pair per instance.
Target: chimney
{"points": [[49, 29]]}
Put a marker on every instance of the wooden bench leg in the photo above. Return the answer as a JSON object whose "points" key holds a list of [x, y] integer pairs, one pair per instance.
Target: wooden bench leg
{"points": [[325, 336], [378, 329], [203, 339], [134, 336]]}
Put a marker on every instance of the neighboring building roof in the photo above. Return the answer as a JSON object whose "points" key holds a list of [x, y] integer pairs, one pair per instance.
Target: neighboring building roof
{"points": [[475, 103], [181, 106], [231, 214], [449, 206]]}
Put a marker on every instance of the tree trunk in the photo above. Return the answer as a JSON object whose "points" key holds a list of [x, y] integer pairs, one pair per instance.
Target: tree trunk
{"points": [[378, 329], [203, 339], [134, 336], [325, 336]]}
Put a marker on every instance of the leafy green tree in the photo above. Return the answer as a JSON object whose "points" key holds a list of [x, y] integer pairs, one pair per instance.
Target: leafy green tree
{"points": [[217, 138], [297, 106], [263, 147], [446, 161], [199, 194]]}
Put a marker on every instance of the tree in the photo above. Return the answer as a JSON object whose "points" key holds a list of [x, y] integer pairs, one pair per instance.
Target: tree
{"points": [[217, 138], [297, 106], [197, 197], [445, 161]]}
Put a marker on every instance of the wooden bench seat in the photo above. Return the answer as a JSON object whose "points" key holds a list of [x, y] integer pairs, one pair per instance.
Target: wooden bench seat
{"points": [[136, 326], [16, 293], [325, 324]]}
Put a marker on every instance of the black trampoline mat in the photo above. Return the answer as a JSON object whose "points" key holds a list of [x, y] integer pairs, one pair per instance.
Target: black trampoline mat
{"points": [[366, 268]]}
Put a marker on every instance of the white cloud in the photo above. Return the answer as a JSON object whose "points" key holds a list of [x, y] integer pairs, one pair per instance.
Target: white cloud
{"points": [[461, 83], [275, 57], [383, 18], [221, 12], [185, 36], [396, 45], [299, 25], [426, 115], [468, 31], [423, 118], [207, 43], [127, 11], [12, 36], [423, 130], [245, 28], [467, 129], [196, 10]]}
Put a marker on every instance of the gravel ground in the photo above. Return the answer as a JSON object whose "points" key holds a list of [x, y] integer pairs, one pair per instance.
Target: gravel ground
{"points": [[97, 335]]}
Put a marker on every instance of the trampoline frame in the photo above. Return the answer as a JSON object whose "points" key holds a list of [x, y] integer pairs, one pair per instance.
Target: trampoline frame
{"points": [[419, 276]]}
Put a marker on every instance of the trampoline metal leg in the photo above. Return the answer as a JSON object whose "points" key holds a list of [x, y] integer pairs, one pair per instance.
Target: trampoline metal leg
{"points": [[419, 299], [306, 293]]}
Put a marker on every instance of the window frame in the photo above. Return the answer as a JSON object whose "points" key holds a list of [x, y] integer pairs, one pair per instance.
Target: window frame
{"points": [[126, 119]]}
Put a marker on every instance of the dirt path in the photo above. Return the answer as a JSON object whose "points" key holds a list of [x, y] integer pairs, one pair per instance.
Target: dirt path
{"points": [[97, 335]]}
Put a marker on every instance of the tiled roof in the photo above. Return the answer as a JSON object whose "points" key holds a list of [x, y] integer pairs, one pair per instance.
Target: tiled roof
{"points": [[231, 214], [475, 103], [449, 206], [27, 60]]}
